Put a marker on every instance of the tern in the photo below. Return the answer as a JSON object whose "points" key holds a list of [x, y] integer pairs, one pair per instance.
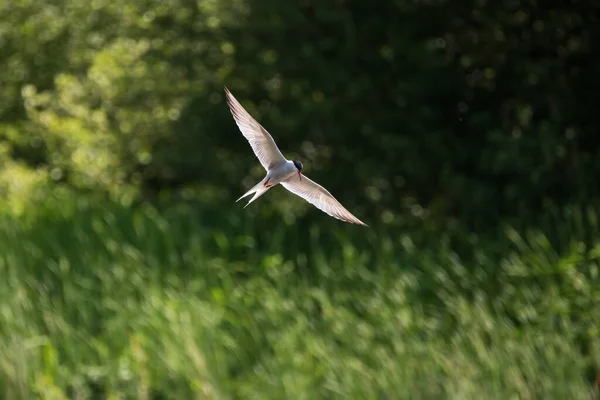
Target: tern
{"points": [[281, 170]]}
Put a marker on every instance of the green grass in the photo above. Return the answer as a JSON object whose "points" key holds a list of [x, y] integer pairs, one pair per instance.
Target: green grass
{"points": [[101, 300]]}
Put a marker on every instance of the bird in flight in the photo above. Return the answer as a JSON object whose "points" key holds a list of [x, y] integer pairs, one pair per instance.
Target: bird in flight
{"points": [[280, 170]]}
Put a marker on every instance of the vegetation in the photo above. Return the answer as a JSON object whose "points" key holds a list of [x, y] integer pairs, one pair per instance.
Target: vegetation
{"points": [[463, 134], [107, 300]]}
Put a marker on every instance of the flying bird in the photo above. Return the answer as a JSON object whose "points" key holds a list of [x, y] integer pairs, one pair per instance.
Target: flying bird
{"points": [[280, 170]]}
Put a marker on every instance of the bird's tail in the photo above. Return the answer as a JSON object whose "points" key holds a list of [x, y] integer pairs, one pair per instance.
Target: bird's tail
{"points": [[259, 189]]}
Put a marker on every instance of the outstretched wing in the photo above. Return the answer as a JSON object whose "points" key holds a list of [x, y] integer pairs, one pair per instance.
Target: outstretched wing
{"points": [[319, 197], [260, 140]]}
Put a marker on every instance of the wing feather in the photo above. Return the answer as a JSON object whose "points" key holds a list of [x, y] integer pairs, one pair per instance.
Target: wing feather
{"points": [[319, 197], [260, 140]]}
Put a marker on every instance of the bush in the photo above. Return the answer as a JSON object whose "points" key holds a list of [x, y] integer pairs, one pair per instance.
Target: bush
{"points": [[419, 100]]}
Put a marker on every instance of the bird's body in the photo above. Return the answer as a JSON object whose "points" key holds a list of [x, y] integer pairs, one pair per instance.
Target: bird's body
{"points": [[280, 170], [275, 176], [281, 173]]}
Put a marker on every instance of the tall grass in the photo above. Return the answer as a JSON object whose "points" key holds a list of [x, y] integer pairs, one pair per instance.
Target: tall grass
{"points": [[101, 300]]}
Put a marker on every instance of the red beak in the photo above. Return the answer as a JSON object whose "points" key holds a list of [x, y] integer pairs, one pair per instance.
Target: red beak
{"points": [[299, 175]]}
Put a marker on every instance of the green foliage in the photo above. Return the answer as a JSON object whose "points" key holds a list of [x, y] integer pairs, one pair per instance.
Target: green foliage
{"points": [[464, 134], [106, 300], [421, 100], [127, 79]]}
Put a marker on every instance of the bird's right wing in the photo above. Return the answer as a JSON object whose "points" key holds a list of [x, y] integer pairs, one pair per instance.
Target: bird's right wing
{"points": [[260, 140], [319, 197]]}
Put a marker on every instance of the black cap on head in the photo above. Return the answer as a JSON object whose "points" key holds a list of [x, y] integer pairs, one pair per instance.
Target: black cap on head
{"points": [[298, 165]]}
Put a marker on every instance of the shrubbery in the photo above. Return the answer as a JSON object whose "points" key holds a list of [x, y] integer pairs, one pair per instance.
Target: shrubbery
{"points": [[416, 100]]}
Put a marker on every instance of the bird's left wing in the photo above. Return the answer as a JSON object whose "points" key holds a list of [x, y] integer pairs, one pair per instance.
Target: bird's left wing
{"points": [[260, 140]]}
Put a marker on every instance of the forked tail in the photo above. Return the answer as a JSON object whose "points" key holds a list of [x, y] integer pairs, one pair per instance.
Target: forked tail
{"points": [[259, 189]]}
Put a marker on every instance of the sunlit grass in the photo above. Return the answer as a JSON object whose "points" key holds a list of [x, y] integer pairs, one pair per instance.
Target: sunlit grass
{"points": [[102, 300]]}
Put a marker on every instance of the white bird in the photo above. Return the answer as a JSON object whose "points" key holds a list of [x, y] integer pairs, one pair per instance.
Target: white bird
{"points": [[281, 170]]}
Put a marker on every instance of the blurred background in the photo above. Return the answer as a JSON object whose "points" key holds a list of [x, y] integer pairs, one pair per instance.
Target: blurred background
{"points": [[465, 135]]}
